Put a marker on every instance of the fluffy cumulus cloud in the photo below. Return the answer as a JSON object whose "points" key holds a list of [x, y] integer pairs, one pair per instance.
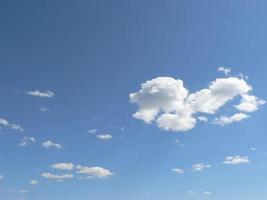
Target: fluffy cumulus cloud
{"points": [[200, 167], [235, 160], [165, 101], [49, 144], [26, 141], [43, 94], [6, 124]]}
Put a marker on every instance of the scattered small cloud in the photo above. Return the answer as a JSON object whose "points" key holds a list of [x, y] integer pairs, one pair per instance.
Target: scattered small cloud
{"points": [[104, 137], [178, 170], [207, 193], [225, 70], [26, 141], [44, 109], [1, 177], [6, 124], [190, 192], [44, 94], [223, 120], [202, 119], [49, 144], [96, 172], [34, 182], [252, 149], [92, 131], [235, 160], [23, 191], [49, 175], [63, 166], [200, 167]]}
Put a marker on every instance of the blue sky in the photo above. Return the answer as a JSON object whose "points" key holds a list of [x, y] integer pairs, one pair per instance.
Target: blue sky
{"points": [[69, 128]]}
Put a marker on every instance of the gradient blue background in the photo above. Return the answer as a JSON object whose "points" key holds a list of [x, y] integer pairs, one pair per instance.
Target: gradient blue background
{"points": [[93, 54]]}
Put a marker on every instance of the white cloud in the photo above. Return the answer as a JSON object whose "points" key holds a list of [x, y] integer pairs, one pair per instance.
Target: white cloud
{"points": [[225, 70], [27, 141], [1, 177], [5, 123], [104, 137], [44, 94], [253, 149], [249, 103], [235, 160], [178, 170], [44, 109], [223, 120], [48, 144], [165, 101], [97, 172], [200, 167], [93, 131], [23, 191], [63, 166], [191, 192], [202, 119], [207, 193], [49, 175], [34, 182]]}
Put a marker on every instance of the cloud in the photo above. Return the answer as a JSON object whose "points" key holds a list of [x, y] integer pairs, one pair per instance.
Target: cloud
{"points": [[200, 167], [225, 70], [97, 172], [1, 177], [34, 182], [49, 175], [63, 166], [93, 131], [48, 144], [223, 120], [5, 123], [249, 103], [26, 141], [207, 193], [235, 160], [202, 119], [165, 101], [23, 191], [104, 137], [178, 170], [44, 94], [44, 109]]}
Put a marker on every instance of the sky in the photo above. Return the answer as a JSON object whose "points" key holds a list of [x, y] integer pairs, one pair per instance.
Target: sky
{"points": [[133, 100]]}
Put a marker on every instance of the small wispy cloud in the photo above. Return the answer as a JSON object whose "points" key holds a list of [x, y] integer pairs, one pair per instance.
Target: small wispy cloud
{"points": [[34, 182], [225, 70], [49, 144], [104, 137], [26, 141], [92, 131], [63, 166], [5, 123], [43, 94], [223, 120], [178, 170]]}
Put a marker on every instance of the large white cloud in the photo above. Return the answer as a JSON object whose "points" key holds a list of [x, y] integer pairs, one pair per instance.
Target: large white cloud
{"points": [[165, 101]]}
